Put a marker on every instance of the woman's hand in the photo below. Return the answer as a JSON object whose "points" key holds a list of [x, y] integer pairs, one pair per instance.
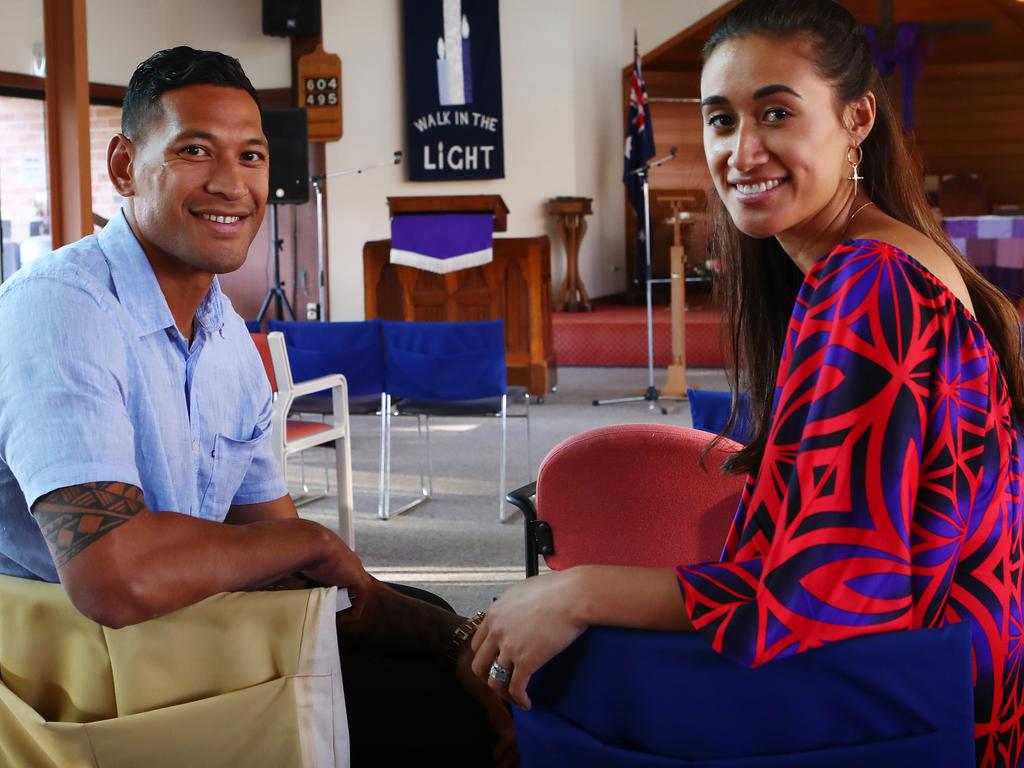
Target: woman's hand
{"points": [[526, 627]]}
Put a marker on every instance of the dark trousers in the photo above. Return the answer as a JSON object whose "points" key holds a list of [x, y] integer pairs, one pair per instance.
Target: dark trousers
{"points": [[411, 710]]}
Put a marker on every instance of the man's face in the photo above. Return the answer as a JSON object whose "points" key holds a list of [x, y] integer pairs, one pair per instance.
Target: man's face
{"points": [[197, 179]]}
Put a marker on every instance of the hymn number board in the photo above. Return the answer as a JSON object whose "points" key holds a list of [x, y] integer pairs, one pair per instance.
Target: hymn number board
{"points": [[319, 77], [321, 91]]}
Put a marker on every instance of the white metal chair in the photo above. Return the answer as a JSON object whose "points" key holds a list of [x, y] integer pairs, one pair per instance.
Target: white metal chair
{"points": [[292, 435]]}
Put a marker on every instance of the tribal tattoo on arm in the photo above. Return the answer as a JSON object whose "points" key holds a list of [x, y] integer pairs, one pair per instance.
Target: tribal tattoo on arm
{"points": [[76, 517]]}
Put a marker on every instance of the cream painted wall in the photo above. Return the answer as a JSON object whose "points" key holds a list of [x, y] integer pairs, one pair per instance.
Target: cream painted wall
{"points": [[597, 94], [122, 33]]}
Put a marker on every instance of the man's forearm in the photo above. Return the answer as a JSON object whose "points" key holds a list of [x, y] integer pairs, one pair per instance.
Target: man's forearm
{"points": [[122, 563]]}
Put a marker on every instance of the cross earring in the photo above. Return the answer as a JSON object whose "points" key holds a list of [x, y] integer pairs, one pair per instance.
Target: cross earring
{"points": [[854, 176]]}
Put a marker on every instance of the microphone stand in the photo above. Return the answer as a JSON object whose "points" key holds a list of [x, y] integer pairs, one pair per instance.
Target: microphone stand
{"points": [[651, 394], [321, 260], [277, 292]]}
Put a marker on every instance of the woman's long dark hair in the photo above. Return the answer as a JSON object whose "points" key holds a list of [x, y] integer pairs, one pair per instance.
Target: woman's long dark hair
{"points": [[760, 282]]}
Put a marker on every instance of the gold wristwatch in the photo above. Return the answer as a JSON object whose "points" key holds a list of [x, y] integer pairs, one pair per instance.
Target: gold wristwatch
{"points": [[462, 633]]}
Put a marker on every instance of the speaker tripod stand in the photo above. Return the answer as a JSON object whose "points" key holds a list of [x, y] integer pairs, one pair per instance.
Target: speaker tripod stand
{"points": [[277, 291], [651, 394]]}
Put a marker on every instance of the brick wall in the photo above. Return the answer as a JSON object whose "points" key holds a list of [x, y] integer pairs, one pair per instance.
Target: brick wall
{"points": [[23, 173]]}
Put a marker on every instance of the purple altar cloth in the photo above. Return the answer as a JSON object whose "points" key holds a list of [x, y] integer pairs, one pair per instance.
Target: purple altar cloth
{"points": [[993, 244]]}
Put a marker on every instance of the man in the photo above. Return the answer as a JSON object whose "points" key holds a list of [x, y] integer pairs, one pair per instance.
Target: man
{"points": [[135, 465]]}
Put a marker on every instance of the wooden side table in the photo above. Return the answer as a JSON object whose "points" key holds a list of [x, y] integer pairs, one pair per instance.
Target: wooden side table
{"points": [[572, 296]]}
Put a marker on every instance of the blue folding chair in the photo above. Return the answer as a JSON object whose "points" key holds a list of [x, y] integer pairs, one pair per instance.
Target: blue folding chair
{"points": [[446, 369], [620, 698]]}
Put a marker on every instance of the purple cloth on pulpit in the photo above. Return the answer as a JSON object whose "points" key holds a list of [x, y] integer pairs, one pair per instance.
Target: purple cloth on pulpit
{"points": [[443, 242]]}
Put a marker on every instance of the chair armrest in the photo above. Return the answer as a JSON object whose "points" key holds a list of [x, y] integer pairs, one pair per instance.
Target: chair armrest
{"points": [[522, 498], [310, 386], [539, 540]]}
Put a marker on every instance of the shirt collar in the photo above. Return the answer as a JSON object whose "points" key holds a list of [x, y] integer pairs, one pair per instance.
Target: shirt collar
{"points": [[137, 288]]}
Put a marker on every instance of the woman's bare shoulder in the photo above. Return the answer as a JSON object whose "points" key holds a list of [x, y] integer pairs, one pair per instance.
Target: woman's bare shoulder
{"points": [[926, 252]]}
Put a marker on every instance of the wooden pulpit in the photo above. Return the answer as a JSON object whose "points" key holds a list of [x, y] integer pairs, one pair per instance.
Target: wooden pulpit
{"points": [[515, 287]]}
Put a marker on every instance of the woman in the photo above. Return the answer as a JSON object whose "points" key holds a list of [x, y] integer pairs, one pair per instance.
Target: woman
{"points": [[886, 384]]}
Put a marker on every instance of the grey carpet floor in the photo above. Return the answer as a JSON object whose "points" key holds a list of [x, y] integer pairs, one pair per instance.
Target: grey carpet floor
{"points": [[454, 545]]}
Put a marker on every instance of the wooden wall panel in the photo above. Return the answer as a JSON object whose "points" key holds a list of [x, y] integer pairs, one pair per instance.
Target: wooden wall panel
{"points": [[969, 119]]}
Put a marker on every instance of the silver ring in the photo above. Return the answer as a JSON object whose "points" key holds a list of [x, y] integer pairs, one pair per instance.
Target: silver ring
{"points": [[499, 673]]}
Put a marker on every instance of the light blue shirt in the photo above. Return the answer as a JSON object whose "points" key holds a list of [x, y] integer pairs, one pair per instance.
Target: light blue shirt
{"points": [[97, 384]]}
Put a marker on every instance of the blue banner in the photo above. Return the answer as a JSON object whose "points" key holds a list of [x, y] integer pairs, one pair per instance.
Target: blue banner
{"points": [[453, 116]]}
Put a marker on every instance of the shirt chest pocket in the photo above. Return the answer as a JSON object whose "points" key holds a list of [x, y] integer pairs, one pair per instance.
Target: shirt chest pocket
{"points": [[231, 461]]}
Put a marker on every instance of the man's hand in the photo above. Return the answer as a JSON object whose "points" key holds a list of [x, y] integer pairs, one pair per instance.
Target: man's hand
{"points": [[506, 748], [342, 568]]}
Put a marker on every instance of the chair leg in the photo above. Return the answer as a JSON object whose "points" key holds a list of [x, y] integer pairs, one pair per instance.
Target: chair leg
{"points": [[343, 466], [384, 492], [327, 468], [384, 402], [420, 451], [302, 474], [529, 450], [428, 489], [502, 517]]}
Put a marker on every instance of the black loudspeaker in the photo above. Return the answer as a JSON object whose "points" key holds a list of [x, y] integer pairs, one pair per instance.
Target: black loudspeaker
{"points": [[287, 132], [291, 18]]}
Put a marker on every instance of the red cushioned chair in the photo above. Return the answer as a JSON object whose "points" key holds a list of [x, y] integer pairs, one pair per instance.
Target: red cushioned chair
{"points": [[625, 698], [292, 435], [630, 494]]}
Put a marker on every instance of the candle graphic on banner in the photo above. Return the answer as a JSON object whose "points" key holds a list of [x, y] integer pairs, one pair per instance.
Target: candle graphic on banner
{"points": [[454, 68]]}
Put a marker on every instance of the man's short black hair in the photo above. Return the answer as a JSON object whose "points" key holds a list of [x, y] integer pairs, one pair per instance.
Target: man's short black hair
{"points": [[175, 68]]}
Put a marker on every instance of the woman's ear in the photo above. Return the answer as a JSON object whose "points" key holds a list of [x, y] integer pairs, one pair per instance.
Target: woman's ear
{"points": [[120, 157], [860, 117]]}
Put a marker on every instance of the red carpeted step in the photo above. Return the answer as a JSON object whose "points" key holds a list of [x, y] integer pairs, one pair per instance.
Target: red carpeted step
{"points": [[617, 335]]}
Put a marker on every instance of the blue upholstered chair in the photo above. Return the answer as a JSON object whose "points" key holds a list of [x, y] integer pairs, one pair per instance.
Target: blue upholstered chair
{"points": [[353, 349], [627, 698], [709, 410], [445, 369]]}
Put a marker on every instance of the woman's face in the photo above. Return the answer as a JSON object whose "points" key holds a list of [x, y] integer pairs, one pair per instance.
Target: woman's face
{"points": [[774, 143]]}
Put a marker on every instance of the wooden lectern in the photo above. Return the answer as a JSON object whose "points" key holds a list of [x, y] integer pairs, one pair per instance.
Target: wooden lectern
{"points": [[514, 287], [572, 296], [676, 384]]}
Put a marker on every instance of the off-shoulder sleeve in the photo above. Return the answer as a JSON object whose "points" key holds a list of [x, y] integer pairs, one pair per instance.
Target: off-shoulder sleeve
{"points": [[821, 550]]}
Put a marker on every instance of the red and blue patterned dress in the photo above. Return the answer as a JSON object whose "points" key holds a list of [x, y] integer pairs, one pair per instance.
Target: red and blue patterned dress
{"points": [[889, 496]]}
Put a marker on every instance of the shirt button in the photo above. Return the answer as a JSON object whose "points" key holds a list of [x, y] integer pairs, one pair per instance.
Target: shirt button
{"points": [[195, 445]]}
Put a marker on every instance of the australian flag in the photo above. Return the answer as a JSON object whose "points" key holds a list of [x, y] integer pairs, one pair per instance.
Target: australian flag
{"points": [[639, 149]]}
